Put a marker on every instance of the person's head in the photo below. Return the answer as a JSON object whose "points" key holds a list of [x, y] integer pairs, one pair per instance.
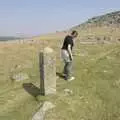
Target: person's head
{"points": [[74, 34]]}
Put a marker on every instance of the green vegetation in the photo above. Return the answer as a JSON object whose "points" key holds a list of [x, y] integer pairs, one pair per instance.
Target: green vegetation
{"points": [[15, 101], [95, 90]]}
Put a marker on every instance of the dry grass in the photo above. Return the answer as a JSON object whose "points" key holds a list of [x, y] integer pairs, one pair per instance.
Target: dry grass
{"points": [[95, 90]]}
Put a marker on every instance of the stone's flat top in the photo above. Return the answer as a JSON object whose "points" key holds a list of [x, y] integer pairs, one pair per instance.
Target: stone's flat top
{"points": [[48, 50]]}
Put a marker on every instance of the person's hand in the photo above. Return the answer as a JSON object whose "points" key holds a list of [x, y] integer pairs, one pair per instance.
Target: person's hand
{"points": [[71, 58]]}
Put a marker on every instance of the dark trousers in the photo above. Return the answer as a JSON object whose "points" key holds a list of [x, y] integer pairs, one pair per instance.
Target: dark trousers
{"points": [[68, 69], [68, 64]]}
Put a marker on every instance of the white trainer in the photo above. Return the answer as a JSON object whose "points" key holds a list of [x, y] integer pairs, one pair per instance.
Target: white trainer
{"points": [[71, 79]]}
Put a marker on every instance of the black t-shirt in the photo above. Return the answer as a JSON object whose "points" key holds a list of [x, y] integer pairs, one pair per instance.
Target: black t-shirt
{"points": [[68, 40]]}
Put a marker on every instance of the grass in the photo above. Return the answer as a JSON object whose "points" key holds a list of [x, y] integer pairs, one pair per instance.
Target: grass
{"points": [[95, 90], [13, 98], [92, 33]]}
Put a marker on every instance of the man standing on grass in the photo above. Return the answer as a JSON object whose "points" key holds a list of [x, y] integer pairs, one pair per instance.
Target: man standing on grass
{"points": [[67, 55]]}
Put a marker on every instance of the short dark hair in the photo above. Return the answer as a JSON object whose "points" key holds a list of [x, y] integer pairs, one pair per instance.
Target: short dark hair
{"points": [[74, 32]]}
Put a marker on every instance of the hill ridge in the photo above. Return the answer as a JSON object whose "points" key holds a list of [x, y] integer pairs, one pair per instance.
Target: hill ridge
{"points": [[109, 19]]}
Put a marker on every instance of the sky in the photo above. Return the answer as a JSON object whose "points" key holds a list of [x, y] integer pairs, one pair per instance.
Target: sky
{"points": [[34, 17]]}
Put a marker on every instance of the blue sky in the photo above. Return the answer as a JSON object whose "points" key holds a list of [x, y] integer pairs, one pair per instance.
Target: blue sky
{"points": [[34, 17]]}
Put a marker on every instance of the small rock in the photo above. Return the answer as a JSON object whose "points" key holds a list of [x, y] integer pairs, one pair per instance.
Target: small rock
{"points": [[57, 77], [109, 58], [92, 59], [117, 83], [20, 77], [82, 54], [82, 119], [48, 50], [17, 66], [68, 92], [105, 71], [81, 97], [29, 64], [85, 70]]}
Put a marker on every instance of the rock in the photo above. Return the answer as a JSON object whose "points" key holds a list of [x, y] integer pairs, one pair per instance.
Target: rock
{"points": [[20, 77], [68, 92], [48, 71], [18, 66], [85, 70], [48, 50], [47, 106], [105, 71], [92, 59], [117, 83], [81, 97], [57, 77], [109, 58], [28, 64], [82, 54], [40, 115]]}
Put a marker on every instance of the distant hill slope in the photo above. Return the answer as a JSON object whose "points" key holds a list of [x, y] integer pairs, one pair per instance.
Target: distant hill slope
{"points": [[6, 38], [110, 19], [100, 29], [104, 28]]}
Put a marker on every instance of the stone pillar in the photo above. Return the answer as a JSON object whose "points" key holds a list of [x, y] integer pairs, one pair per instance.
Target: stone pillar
{"points": [[47, 71]]}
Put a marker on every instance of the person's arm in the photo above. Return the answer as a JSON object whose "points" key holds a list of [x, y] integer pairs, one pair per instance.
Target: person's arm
{"points": [[70, 52]]}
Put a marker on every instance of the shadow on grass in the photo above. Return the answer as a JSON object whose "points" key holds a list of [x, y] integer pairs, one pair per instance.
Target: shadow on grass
{"points": [[31, 89], [60, 75]]}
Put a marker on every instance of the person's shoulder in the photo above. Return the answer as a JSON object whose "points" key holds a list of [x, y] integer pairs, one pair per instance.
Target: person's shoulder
{"points": [[68, 37]]}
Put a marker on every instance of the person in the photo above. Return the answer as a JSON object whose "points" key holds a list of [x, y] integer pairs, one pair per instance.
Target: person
{"points": [[67, 56]]}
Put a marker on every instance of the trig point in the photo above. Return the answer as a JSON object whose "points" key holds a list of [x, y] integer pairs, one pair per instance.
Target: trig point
{"points": [[47, 72]]}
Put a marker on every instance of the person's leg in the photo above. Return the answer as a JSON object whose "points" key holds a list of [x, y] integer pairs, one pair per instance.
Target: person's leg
{"points": [[66, 59], [65, 68], [68, 65], [68, 70]]}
